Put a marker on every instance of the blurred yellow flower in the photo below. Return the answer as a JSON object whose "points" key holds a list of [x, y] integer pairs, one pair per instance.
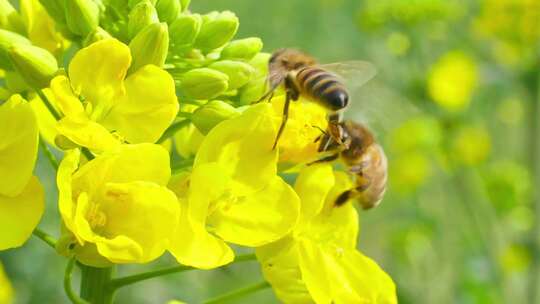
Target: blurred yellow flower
{"points": [[6, 291], [116, 208], [21, 194], [515, 258], [40, 27], [471, 145], [318, 262], [409, 171], [306, 120], [138, 108], [419, 133], [234, 192], [452, 80]]}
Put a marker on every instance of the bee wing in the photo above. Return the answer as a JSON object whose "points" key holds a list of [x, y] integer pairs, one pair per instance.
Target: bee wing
{"points": [[354, 74], [380, 108]]}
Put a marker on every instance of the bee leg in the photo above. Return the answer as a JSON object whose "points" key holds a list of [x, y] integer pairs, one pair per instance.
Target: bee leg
{"points": [[284, 119], [344, 197], [324, 159]]}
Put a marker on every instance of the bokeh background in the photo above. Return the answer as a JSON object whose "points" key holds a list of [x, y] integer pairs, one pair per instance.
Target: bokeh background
{"points": [[456, 104]]}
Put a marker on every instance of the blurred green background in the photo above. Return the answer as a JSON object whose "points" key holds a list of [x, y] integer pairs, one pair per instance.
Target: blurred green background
{"points": [[455, 104]]}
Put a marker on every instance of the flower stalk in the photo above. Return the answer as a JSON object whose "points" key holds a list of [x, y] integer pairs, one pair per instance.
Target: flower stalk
{"points": [[225, 298], [95, 284]]}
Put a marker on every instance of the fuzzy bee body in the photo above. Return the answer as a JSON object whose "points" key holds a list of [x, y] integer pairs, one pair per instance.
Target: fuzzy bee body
{"points": [[322, 87], [354, 144]]}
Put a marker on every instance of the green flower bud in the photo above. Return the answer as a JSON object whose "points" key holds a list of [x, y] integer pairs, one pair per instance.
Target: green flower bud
{"points": [[185, 4], [7, 40], [252, 91], [10, 18], [15, 83], [184, 30], [150, 46], [141, 15], [36, 65], [82, 16], [209, 115], [97, 35], [243, 49], [132, 3], [239, 72], [55, 9], [203, 83], [168, 10], [216, 30]]}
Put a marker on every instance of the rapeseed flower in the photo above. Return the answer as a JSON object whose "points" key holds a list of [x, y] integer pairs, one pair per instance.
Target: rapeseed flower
{"points": [[234, 193], [6, 290], [97, 98], [116, 208], [318, 262], [21, 194]]}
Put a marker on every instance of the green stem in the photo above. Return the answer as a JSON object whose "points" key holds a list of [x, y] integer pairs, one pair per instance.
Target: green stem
{"points": [[89, 156], [184, 115], [49, 240], [238, 293], [52, 159], [95, 284], [534, 282], [48, 104], [67, 284], [132, 279], [172, 129]]}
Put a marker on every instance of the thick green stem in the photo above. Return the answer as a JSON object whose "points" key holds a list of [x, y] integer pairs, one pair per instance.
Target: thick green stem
{"points": [[238, 293], [132, 279], [95, 284], [49, 240], [67, 284], [48, 104]]}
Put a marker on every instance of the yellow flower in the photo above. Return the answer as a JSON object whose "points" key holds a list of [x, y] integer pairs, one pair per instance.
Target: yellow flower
{"points": [[306, 120], [409, 171], [116, 207], [21, 194], [452, 80], [6, 291], [318, 262], [471, 145], [40, 27], [234, 193], [137, 108]]}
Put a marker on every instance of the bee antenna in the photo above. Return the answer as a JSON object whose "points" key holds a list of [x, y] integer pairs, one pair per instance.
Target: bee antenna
{"points": [[320, 129]]}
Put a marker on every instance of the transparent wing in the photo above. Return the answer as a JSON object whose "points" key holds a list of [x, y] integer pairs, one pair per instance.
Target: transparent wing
{"points": [[354, 74]]}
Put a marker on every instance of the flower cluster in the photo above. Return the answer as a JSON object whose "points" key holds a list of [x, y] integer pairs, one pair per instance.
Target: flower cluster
{"points": [[145, 73]]}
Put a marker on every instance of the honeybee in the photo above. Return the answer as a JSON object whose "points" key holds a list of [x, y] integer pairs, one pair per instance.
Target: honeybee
{"points": [[357, 148], [302, 76]]}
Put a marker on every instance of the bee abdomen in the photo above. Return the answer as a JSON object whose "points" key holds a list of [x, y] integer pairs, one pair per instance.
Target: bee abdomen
{"points": [[323, 86], [371, 194]]}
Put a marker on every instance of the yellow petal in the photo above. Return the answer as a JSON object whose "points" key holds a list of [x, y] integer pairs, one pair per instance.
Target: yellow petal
{"points": [[69, 164], [313, 185], [188, 140], [87, 133], [335, 276], [40, 27], [64, 98], [257, 219], [192, 244], [6, 290], [126, 163], [149, 107], [279, 264], [18, 145], [243, 146], [45, 120], [98, 71], [19, 215]]}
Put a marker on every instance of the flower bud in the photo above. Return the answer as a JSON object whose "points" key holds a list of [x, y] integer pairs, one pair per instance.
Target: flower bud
{"points": [[243, 49], [7, 40], [10, 18], [97, 35], [184, 30], [209, 115], [82, 16], [150, 46], [239, 72], [216, 30], [184, 4], [36, 65], [55, 9], [203, 83], [133, 3], [168, 10], [141, 15]]}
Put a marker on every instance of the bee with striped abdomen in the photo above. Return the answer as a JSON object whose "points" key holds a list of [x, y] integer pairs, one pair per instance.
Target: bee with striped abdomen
{"points": [[355, 145], [302, 76]]}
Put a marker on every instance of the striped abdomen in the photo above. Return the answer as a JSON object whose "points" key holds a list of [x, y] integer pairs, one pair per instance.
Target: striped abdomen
{"points": [[371, 181], [323, 87]]}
